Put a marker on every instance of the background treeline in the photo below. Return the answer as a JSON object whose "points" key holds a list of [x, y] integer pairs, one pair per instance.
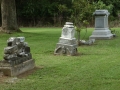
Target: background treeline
{"points": [[57, 12]]}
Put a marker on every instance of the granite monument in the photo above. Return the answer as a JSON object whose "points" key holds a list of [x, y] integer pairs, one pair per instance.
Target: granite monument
{"points": [[101, 25]]}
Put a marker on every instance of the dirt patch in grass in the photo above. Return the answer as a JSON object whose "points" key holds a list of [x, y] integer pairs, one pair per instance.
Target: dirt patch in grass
{"points": [[25, 74], [3, 78]]}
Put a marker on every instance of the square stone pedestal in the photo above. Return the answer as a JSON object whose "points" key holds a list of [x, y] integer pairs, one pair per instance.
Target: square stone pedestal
{"points": [[101, 25], [9, 70], [66, 46], [101, 34]]}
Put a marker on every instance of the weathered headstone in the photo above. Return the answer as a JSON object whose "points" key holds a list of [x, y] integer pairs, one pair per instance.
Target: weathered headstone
{"points": [[101, 25], [67, 42], [17, 57]]}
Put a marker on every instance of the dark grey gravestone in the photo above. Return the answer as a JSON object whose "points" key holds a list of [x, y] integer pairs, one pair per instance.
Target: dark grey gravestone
{"points": [[101, 25], [17, 57], [67, 42]]}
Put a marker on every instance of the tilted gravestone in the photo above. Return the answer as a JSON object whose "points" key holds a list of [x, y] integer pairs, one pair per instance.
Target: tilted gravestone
{"points": [[17, 57], [101, 25], [67, 42]]}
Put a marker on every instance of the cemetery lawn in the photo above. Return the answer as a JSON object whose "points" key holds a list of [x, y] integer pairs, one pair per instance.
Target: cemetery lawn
{"points": [[97, 67]]}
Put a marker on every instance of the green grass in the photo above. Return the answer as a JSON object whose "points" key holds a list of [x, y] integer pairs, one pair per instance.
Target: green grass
{"points": [[96, 68]]}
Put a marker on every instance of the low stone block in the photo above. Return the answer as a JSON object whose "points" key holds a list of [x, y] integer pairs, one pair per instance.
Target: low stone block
{"points": [[9, 70]]}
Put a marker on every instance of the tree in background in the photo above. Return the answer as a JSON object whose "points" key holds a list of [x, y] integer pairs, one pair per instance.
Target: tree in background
{"points": [[62, 9], [101, 5], [9, 21], [82, 13], [57, 12]]}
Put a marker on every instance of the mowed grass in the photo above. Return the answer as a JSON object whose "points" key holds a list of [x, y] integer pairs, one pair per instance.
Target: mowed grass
{"points": [[97, 67]]}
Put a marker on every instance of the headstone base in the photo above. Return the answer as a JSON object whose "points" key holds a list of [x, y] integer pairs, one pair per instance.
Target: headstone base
{"points": [[101, 34], [66, 47], [15, 70]]}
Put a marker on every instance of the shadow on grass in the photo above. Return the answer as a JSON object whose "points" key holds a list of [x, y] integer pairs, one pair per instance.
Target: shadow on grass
{"points": [[27, 73], [41, 33]]}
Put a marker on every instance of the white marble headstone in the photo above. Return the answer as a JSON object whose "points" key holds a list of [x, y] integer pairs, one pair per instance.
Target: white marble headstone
{"points": [[68, 31], [67, 42]]}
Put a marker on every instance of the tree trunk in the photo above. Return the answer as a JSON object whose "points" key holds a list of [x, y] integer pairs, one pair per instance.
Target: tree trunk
{"points": [[78, 38], [9, 20]]}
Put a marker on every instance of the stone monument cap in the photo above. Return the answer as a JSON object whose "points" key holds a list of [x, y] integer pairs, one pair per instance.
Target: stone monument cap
{"points": [[101, 12], [68, 24]]}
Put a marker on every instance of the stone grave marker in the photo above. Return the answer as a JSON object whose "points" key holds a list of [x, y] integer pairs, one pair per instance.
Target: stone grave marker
{"points": [[101, 25], [67, 42], [17, 57]]}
